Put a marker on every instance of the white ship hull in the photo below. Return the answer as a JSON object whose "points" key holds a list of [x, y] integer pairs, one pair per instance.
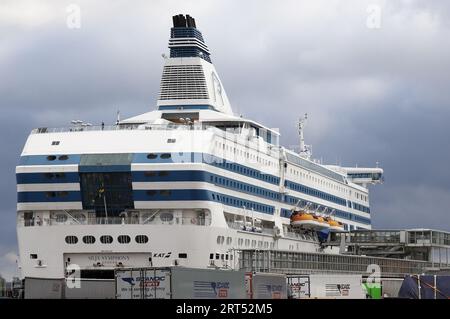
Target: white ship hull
{"points": [[172, 186]]}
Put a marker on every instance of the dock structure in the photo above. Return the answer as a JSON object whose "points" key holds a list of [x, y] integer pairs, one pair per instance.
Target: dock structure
{"points": [[289, 262]]}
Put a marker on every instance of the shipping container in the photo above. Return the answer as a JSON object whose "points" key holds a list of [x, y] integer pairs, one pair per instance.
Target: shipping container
{"points": [[179, 283], [325, 286], [265, 286], [42, 288]]}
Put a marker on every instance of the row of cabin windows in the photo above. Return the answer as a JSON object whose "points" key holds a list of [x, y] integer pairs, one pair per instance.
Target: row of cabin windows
{"points": [[229, 183], [247, 171], [107, 239], [60, 157], [316, 193], [220, 256], [244, 154], [318, 180], [361, 208], [362, 197], [245, 242], [232, 201], [254, 190]]}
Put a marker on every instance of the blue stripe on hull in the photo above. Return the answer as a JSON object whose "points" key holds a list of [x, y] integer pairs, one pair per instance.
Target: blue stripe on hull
{"points": [[49, 197], [46, 160], [47, 178]]}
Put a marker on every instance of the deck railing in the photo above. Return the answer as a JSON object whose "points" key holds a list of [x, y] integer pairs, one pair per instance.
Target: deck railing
{"points": [[185, 221]]}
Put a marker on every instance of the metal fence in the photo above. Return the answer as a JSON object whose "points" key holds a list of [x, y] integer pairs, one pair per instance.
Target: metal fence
{"points": [[308, 263]]}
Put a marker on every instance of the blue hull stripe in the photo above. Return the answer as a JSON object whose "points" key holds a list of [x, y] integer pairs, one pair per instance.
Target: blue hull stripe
{"points": [[47, 178], [203, 195], [44, 160], [46, 197]]}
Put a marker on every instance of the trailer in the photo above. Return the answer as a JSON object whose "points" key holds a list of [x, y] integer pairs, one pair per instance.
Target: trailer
{"points": [[325, 286], [179, 283]]}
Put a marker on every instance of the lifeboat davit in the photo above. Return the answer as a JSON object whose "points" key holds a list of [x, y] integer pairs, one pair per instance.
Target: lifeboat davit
{"points": [[335, 226], [308, 221]]}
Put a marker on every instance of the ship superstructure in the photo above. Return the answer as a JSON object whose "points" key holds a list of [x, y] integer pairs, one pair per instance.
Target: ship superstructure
{"points": [[186, 184]]}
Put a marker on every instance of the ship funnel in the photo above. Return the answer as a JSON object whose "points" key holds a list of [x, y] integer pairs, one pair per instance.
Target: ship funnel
{"points": [[190, 80]]}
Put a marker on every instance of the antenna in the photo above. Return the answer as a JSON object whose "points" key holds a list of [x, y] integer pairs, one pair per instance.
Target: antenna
{"points": [[118, 117], [305, 150]]}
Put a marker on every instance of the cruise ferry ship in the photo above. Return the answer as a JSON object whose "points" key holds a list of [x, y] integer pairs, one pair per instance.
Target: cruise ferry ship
{"points": [[187, 184]]}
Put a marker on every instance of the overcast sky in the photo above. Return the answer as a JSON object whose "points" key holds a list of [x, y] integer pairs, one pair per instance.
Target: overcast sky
{"points": [[376, 87]]}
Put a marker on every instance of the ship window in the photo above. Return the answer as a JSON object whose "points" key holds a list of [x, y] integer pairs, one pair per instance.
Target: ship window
{"points": [[71, 239], [163, 173], [182, 255], [150, 174], [51, 158], [49, 175], [89, 239], [55, 143], [165, 156], [63, 158], [166, 217], [217, 256], [171, 140], [152, 156], [61, 218], [60, 175], [151, 192], [106, 239], [63, 194], [124, 239], [141, 239], [211, 256], [33, 256]]}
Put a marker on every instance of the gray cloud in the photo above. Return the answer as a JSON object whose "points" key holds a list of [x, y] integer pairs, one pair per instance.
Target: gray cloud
{"points": [[372, 95]]}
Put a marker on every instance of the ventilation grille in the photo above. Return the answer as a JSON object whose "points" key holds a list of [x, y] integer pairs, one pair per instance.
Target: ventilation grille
{"points": [[183, 82]]}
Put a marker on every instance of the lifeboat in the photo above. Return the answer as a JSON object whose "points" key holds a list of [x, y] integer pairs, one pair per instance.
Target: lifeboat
{"points": [[335, 226], [308, 221]]}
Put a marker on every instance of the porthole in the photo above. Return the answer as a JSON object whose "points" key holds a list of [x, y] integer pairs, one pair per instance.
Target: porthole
{"points": [[63, 158], [165, 156], [141, 239], [152, 156], [124, 239], [106, 239], [51, 158], [71, 240], [89, 239]]}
